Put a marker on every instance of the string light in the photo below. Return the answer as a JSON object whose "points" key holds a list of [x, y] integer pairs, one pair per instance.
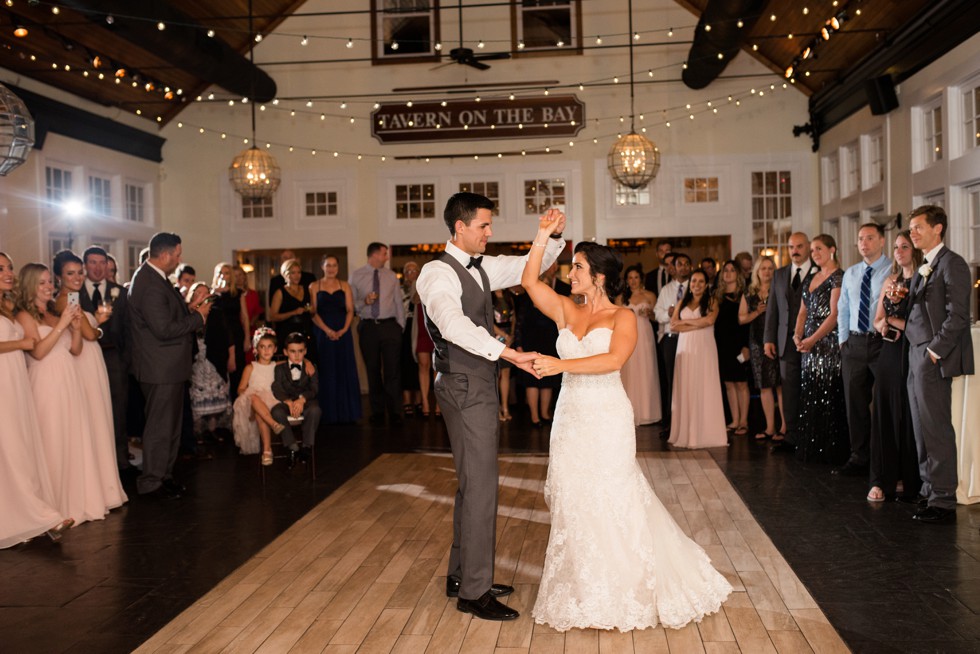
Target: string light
{"points": [[304, 40], [350, 44]]}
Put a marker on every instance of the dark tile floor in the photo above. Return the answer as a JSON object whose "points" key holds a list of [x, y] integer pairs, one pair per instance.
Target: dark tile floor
{"points": [[886, 583]]}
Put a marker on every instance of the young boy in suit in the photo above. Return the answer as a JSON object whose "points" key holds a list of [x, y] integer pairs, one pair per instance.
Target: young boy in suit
{"points": [[295, 386]]}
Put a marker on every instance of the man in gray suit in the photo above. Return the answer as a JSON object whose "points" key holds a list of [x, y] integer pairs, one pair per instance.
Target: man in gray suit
{"points": [[457, 292], [161, 331], [783, 309], [940, 348]]}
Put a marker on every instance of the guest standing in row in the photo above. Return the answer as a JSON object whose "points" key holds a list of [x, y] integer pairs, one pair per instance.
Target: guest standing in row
{"points": [[504, 325], [291, 306], [823, 421], [660, 276], [225, 331], [409, 361], [209, 396], [765, 371], [668, 301], [732, 341], [639, 374], [253, 308], [333, 313]]}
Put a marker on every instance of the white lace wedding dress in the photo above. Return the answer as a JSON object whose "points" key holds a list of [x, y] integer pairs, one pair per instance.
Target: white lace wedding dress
{"points": [[615, 557]]}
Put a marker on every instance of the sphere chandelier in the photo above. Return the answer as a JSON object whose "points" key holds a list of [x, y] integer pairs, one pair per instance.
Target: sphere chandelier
{"points": [[16, 131]]}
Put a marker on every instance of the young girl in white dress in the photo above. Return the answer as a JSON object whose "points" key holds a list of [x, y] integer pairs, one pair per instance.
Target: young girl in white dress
{"points": [[252, 420], [615, 558]]}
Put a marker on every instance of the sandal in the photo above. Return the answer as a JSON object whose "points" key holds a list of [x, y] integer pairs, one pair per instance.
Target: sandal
{"points": [[408, 410], [763, 436], [58, 531], [779, 437], [876, 494], [267, 458], [741, 430]]}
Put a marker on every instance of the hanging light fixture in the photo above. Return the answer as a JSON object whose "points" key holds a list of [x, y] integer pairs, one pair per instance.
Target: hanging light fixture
{"points": [[254, 173], [634, 159], [16, 131]]}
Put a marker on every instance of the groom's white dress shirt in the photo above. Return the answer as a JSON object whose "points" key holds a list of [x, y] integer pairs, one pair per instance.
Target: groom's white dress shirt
{"points": [[439, 288]]}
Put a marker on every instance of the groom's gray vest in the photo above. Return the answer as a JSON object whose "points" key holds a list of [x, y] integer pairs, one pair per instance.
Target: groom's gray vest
{"points": [[477, 305]]}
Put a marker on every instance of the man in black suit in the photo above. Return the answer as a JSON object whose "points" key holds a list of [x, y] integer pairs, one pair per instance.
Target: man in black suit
{"points": [[940, 348], [98, 290], [783, 309], [161, 330], [662, 275]]}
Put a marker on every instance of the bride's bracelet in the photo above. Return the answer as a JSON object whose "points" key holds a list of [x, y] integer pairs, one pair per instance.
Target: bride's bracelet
{"points": [[539, 245]]}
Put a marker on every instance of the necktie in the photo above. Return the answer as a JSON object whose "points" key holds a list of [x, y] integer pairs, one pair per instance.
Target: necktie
{"points": [[864, 320], [663, 278], [797, 279], [376, 289], [474, 262], [96, 295], [680, 292]]}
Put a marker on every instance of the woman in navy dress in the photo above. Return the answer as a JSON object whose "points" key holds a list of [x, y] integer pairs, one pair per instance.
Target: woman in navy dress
{"points": [[333, 311]]}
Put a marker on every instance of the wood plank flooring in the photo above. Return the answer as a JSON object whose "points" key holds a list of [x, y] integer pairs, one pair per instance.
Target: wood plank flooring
{"points": [[365, 572]]}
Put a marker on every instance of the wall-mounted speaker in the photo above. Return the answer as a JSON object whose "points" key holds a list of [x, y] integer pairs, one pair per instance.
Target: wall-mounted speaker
{"points": [[881, 95]]}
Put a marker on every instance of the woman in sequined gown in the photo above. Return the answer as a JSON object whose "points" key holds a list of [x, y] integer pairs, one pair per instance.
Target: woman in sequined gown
{"points": [[615, 557], [333, 311], [823, 420], [894, 456]]}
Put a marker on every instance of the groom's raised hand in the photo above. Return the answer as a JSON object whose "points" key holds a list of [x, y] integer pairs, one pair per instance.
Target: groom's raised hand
{"points": [[552, 222], [523, 360]]}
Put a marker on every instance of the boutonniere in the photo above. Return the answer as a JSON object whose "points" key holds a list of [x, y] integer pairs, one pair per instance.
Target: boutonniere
{"points": [[114, 292], [925, 270]]}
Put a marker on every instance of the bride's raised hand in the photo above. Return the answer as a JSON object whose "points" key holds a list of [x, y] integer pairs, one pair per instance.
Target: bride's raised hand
{"points": [[552, 222], [545, 366]]}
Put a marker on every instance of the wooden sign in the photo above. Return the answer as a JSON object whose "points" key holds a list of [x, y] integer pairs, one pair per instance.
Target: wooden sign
{"points": [[468, 120]]}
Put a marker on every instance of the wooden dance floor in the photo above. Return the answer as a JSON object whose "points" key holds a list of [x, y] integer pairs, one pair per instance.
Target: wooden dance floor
{"points": [[365, 572]]}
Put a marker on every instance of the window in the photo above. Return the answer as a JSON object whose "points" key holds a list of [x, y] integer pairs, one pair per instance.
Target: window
{"points": [[547, 25], [932, 134], [937, 198], [133, 249], [321, 203], [404, 30], [99, 199], [489, 190], [973, 210], [772, 212], [853, 169], [876, 158], [57, 184], [414, 201], [257, 207], [58, 242], [831, 226], [700, 189], [102, 242], [632, 197], [543, 194], [971, 115], [831, 178], [134, 203]]}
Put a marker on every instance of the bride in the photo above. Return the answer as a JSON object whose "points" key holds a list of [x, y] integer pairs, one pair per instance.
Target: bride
{"points": [[615, 557]]}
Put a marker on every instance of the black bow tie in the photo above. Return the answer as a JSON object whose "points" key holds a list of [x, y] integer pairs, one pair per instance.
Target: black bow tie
{"points": [[474, 261], [296, 366]]}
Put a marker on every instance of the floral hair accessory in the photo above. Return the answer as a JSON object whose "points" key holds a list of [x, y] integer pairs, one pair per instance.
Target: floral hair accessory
{"points": [[260, 333]]}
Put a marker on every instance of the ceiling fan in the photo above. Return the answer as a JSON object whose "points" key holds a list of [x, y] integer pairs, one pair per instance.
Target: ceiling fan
{"points": [[466, 56]]}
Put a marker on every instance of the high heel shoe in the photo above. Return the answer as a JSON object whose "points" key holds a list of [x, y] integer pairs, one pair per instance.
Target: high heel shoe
{"points": [[267, 458], [57, 532]]}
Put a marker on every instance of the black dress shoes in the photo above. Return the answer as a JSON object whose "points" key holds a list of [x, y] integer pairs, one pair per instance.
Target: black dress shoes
{"points": [[487, 607], [918, 500], [783, 447], [933, 515], [850, 470], [497, 590]]}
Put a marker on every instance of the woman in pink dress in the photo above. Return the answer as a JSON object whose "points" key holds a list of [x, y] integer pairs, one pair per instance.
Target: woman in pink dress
{"points": [[26, 498], [640, 377], [90, 366], [63, 415], [699, 416]]}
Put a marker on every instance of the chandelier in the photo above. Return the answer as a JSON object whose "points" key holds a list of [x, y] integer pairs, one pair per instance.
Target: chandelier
{"points": [[254, 173], [16, 131], [633, 160]]}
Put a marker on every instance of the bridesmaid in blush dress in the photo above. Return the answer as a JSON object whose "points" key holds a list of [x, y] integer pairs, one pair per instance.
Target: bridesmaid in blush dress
{"points": [[62, 412], [639, 374], [699, 416], [26, 498], [90, 367], [333, 311]]}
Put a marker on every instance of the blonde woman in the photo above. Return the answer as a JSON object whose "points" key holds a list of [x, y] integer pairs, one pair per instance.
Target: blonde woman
{"points": [[765, 371]]}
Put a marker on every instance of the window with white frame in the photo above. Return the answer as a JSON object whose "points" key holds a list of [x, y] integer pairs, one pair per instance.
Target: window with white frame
{"points": [[321, 203], [772, 212], [847, 244], [547, 25], [852, 169], [632, 197], [831, 226], [543, 194], [133, 249], [937, 198], [971, 117], [973, 211], [135, 211], [257, 208], [102, 242], [489, 190], [99, 195], [932, 133], [876, 158], [831, 178], [404, 30], [700, 189], [58, 242], [57, 184], [415, 201]]}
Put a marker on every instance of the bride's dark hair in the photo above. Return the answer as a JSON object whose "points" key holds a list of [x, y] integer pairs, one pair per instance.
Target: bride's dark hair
{"points": [[606, 261]]}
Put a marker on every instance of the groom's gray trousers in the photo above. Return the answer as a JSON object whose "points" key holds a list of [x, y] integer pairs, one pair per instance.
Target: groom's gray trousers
{"points": [[469, 406]]}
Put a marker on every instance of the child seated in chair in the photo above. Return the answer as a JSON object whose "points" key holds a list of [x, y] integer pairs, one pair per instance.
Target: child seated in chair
{"points": [[253, 421], [295, 386]]}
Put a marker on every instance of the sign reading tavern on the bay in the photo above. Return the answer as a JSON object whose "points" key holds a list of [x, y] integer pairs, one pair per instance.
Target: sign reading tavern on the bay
{"points": [[468, 120]]}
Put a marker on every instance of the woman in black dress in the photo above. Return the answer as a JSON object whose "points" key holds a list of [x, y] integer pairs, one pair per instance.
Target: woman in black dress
{"points": [[765, 371], [503, 330], [894, 457], [823, 420], [732, 340], [224, 333], [291, 308]]}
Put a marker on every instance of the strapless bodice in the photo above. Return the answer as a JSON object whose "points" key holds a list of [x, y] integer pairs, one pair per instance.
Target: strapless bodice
{"points": [[594, 342]]}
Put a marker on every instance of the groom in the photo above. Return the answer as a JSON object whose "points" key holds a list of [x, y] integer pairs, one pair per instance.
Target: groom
{"points": [[457, 293], [938, 331]]}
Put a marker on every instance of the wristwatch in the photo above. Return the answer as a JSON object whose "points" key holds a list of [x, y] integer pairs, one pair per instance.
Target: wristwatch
{"points": [[555, 236]]}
